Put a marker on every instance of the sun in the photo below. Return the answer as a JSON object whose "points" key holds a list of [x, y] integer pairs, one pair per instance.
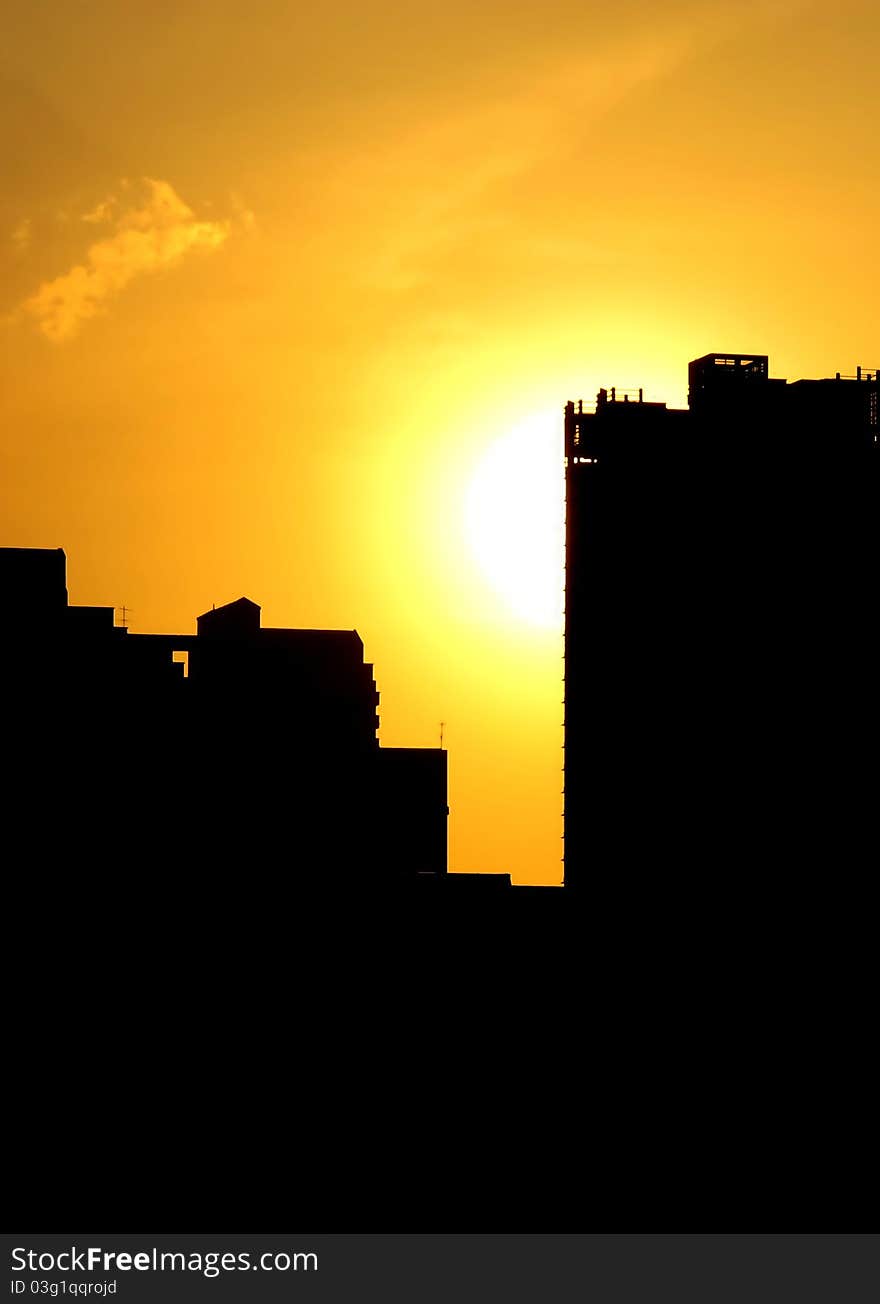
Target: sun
{"points": [[514, 518]]}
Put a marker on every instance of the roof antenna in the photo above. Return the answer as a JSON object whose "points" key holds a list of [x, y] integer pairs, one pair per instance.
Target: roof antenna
{"points": [[442, 727]]}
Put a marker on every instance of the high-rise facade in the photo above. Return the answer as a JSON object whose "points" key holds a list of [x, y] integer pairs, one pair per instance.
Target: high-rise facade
{"points": [[721, 568]]}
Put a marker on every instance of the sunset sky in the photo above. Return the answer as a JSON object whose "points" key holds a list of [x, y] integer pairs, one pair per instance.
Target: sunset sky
{"points": [[294, 295]]}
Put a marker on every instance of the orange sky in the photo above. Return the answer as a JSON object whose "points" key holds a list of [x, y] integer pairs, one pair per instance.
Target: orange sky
{"points": [[376, 239]]}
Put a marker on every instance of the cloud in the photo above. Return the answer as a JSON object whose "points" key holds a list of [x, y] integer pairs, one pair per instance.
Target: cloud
{"points": [[506, 175], [146, 239], [102, 212], [466, 178]]}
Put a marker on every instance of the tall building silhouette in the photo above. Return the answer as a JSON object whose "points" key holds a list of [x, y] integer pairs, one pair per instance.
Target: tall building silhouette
{"points": [[720, 650]]}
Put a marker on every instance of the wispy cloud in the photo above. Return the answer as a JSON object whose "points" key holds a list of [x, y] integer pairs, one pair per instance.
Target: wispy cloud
{"points": [[475, 180], [149, 235], [101, 212]]}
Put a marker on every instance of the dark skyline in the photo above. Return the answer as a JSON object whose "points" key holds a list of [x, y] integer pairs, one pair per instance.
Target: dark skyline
{"points": [[719, 561], [234, 748], [275, 291]]}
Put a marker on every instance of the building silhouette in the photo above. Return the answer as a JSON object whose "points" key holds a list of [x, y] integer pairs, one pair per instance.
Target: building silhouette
{"points": [[237, 746], [720, 699], [720, 648], [236, 755]]}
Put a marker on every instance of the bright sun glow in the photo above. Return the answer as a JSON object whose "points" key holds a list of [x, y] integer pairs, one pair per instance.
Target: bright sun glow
{"points": [[514, 515]]}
